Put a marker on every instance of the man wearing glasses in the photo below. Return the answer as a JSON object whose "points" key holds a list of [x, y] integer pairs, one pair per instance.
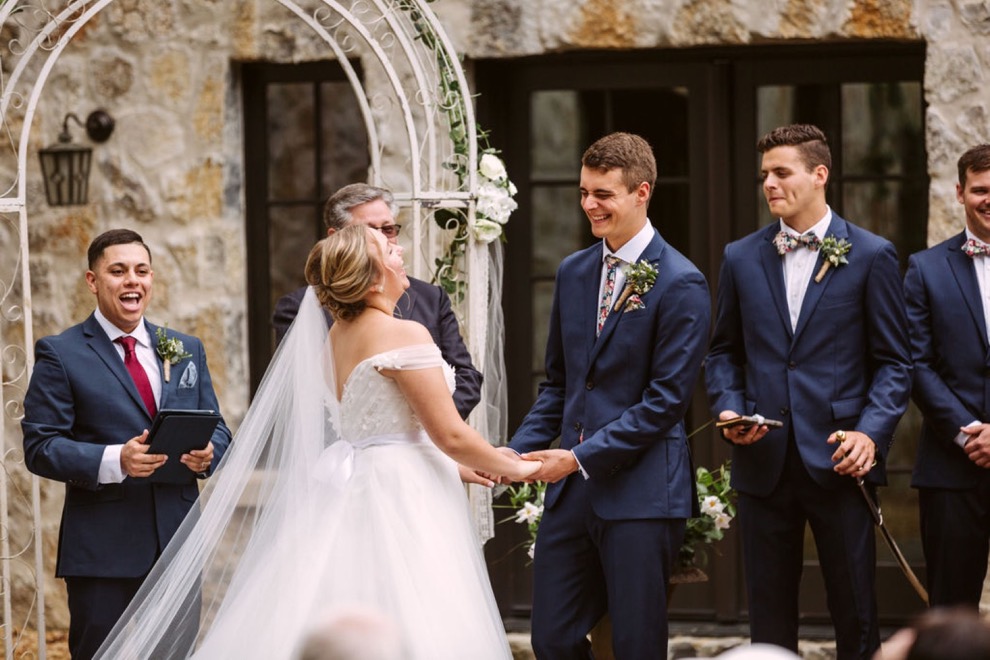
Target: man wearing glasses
{"points": [[423, 302]]}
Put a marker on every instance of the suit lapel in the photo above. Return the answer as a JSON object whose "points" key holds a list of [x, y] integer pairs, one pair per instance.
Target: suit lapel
{"points": [[166, 387], [773, 269], [100, 343], [965, 276], [839, 230]]}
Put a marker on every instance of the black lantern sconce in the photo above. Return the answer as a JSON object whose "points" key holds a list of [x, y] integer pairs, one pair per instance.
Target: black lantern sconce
{"points": [[65, 165]]}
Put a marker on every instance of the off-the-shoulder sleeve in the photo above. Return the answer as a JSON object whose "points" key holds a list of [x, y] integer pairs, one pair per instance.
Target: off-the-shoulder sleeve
{"points": [[417, 356]]}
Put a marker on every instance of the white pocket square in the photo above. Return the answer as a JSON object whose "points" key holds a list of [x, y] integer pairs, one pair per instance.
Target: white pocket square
{"points": [[189, 377]]}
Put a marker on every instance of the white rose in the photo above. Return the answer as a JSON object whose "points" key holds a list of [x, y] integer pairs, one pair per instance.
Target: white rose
{"points": [[486, 231], [492, 167], [494, 203]]}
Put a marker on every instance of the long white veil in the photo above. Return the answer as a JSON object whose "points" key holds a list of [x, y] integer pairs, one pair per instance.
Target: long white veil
{"points": [[261, 480]]}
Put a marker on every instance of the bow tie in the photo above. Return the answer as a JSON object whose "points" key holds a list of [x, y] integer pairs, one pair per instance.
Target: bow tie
{"points": [[974, 248], [786, 242]]}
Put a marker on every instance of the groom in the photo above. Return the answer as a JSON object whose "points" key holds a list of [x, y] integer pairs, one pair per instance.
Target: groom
{"points": [[623, 353]]}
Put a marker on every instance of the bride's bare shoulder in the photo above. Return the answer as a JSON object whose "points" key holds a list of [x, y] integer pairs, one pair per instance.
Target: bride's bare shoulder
{"points": [[405, 332]]}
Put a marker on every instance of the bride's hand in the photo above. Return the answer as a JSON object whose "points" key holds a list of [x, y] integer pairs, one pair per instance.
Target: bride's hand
{"points": [[470, 476]]}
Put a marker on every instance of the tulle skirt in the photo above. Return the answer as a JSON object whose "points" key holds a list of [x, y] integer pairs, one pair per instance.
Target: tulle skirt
{"points": [[392, 534]]}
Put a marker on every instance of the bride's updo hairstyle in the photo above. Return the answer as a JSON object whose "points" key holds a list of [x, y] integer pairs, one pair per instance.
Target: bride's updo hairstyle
{"points": [[342, 268]]}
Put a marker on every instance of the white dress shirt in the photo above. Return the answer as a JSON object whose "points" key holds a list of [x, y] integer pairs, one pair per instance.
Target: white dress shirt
{"points": [[798, 265], [110, 470]]}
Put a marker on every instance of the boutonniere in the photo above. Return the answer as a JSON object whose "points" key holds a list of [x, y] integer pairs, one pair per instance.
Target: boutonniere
{"points": [[170, 350], [640, 278], [833, 254]]}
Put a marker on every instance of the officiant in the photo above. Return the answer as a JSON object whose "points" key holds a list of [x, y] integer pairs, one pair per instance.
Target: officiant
{"points": [[93, 394]]}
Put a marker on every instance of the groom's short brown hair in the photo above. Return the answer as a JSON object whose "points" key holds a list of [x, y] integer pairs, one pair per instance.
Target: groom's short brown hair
{"points": [[626, 151]]}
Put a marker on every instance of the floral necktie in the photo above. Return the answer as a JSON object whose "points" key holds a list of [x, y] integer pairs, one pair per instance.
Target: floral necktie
{"points": [[786, 242], [612, 262], [975, 248]]}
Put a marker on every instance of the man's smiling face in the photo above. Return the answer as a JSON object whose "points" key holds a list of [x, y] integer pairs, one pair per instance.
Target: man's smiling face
{"points": [[121, 280]]}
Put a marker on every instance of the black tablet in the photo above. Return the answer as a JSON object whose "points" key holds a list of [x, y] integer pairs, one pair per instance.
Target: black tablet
{"points": [[176, 432]]}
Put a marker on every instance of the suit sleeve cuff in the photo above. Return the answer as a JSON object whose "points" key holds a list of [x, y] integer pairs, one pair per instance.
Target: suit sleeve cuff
{"points": [[110, 470], [580, 467]]}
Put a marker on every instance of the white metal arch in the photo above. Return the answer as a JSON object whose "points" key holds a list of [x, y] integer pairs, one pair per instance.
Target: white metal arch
{"points": [[411, 50]]}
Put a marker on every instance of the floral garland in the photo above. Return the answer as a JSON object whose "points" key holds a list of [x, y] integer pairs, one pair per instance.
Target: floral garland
{"points": [[494, 202]]}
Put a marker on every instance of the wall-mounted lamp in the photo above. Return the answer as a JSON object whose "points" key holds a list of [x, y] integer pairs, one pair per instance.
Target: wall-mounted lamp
{"points": [[65, 165]]}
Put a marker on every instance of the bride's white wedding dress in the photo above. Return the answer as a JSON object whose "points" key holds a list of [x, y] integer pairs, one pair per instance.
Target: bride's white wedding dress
{"points": [[370, 514]]}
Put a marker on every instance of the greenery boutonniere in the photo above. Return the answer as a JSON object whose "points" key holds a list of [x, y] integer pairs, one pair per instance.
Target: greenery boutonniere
{"points": [[640, 278], [833, 254], [170, 350]]}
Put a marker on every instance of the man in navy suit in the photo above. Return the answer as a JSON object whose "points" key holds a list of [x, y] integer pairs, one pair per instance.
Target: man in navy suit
{"points": [[623, 355], [423, 302], [948, 302], [92, 396], [824, 349]]}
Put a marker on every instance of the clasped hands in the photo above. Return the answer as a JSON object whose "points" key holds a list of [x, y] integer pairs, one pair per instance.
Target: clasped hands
{"points": [[548, 465], [855, 455], [135, 460]]}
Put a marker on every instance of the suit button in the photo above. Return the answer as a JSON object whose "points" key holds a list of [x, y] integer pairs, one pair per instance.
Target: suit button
{"points": [[577, 426], [590, 385], [792, 365], [785, 410]]}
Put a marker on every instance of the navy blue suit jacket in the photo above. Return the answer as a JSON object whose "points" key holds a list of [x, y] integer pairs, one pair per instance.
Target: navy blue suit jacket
{"points": [[626, 391], [424, 303], [847, 365], [951, 360], [82, 398]]}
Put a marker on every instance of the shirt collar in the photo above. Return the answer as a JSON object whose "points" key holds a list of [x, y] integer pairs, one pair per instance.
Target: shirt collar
{"points": [[819, 229], [113, 332], [970, 236], [634, 247]]}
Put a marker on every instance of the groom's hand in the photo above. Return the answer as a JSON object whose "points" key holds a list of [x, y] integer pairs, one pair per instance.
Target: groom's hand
{"points": [[557, 464]]}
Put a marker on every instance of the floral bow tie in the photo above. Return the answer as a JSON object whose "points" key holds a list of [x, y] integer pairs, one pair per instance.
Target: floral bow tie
{"points": [[786, 242], [974, 248]]}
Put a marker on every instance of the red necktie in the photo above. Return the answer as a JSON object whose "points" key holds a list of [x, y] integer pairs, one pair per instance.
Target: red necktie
{"points": [[138, 374]]}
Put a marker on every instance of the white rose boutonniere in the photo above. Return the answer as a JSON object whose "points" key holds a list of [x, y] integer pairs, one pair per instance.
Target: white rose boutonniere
{"points": [[640, 278], [833, 254], [170, 350]]}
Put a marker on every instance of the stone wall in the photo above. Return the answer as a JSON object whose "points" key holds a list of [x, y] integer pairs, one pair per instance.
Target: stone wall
{"points": [[173, 169]]}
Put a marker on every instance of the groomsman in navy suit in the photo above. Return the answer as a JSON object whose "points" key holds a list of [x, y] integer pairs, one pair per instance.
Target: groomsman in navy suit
{"points": [[948, 304], [821, 344], [93, 393], [623, 355]]}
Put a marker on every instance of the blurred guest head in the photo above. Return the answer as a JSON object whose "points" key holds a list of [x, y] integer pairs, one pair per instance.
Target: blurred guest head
{"points": [[353, 633]]}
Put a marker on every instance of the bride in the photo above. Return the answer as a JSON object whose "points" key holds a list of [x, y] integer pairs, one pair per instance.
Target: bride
{"points": [[340, 490]]}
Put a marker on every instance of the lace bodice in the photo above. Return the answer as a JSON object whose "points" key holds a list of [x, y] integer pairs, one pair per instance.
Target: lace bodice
{"points": [[373, 404]]}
